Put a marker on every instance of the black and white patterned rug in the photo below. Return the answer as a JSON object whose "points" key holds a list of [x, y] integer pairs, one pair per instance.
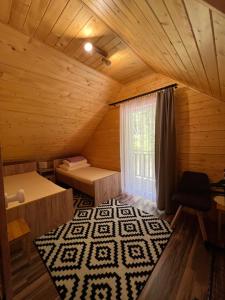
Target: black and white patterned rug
{"points": [[104, 253], [81, 200]]}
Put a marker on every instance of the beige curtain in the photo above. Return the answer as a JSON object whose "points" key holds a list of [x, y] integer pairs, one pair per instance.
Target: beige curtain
{"points": [[165, 150]]}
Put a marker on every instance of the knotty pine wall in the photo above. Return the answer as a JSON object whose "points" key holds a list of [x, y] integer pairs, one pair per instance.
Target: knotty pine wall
{"points": [[50, 104], [103, 148], [200, 129]]}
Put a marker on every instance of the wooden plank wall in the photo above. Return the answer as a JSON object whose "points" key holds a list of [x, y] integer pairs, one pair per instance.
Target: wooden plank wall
{"points": [[200, 129], [102, 149], [49, 103]]}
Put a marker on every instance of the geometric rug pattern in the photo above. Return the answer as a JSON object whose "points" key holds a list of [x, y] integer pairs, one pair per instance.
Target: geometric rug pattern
{"points": [[81, 200], [106, 252]]}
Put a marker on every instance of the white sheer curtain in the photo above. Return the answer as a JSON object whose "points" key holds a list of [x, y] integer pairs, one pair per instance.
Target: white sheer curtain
{"points": [[137, 146]]}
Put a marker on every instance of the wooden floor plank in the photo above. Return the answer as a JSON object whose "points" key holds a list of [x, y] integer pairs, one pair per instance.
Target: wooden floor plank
{"points": [[182, 273], [176, 270]]}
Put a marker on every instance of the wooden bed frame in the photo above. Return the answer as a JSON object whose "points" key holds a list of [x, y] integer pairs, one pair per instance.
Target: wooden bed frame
{"points": [[44, 214], [101, 190]]}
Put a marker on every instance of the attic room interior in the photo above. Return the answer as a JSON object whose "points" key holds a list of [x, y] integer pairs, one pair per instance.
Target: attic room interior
{"points": [[112, 149]]}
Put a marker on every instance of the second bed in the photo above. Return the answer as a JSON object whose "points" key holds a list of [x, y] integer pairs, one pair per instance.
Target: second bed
{"points": [[99, 183]]}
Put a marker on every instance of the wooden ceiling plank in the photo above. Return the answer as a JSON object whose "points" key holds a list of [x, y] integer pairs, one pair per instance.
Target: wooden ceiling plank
{"points": [[34, 16], [179, 16], [140, 33], [170, 29], [104, 13], [119, 23], [149, 49], [163, 40], [50, 17], [125, 68], [199, 16], [66, 18], [5, 10], [101, 9], [69, 36], [152, 42], [19, 11], [219, 27]]}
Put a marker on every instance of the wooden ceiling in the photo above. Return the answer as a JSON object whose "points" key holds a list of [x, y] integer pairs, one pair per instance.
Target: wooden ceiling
{"points": [[182, 39], [66, 25]]}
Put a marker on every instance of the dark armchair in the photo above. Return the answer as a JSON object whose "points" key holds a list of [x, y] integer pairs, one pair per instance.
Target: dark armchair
{"points": [[194, 192]]}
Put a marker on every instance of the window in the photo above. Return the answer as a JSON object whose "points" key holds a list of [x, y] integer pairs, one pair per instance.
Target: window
{"points": [[138, 146]]}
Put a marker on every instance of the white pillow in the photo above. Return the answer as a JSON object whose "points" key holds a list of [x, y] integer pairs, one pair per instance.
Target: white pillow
{"points": [[66, 168], [71, 164]]}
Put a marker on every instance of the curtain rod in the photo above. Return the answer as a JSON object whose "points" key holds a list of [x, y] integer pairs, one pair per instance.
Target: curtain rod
{"points": [[148, 93]]}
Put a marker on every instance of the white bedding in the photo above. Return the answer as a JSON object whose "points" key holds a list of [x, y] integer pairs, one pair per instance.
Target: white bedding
{"points": [[87, 175], [35, 187]]}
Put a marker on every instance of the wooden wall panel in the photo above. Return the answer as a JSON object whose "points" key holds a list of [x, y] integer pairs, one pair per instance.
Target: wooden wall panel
{"points": [[200, 129], [103, 148], [49, 103]]}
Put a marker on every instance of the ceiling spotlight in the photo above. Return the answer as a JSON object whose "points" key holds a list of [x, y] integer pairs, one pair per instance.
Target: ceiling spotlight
{"points": [[88, 47]]}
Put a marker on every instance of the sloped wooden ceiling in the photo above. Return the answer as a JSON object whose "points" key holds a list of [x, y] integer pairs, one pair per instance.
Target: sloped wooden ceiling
{"points": [[50, 104], [66, 25], [182, 39]]}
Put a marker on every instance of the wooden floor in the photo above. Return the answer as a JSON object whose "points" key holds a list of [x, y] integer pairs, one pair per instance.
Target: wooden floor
{"points": [[182, 272], [218, 276]]}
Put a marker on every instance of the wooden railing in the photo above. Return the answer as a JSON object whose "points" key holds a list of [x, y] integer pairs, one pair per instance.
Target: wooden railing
{"points": [[144, 165]]}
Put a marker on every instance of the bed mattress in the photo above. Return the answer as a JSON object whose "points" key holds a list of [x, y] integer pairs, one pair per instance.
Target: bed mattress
{"points": [[35, 187], [87, 175]]}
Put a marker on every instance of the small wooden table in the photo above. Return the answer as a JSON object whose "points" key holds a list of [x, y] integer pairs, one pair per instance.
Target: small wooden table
{"points": [[220, 206], [18, 230]]}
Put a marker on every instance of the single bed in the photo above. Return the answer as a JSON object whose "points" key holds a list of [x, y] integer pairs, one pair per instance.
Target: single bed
{"points": [[99, 183], [46, 205]]}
